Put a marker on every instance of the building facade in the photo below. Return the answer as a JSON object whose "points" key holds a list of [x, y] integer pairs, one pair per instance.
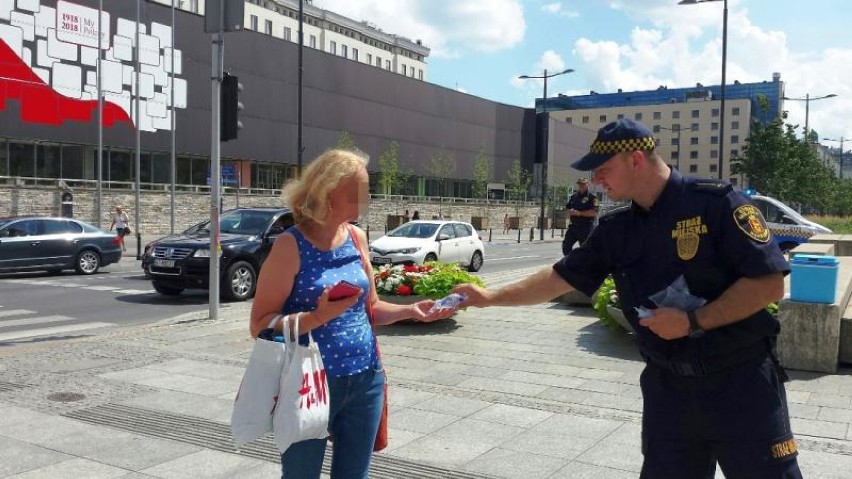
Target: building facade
{"points": [[685, 121], [324, 30], [49, 51]]}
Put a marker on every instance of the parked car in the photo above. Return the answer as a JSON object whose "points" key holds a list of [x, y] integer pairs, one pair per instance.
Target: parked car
{"points": [[55, 244], [420, 241], [788, 227], [180, 262]]}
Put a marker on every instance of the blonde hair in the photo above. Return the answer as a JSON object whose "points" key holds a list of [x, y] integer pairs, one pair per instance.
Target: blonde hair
{"points": [[308, 197]]}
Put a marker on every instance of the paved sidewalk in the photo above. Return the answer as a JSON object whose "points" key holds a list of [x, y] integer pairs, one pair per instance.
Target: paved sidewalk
{"points": [[526, 392]]}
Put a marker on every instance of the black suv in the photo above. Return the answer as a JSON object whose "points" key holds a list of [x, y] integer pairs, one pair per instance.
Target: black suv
{"points": [[179, 262]]}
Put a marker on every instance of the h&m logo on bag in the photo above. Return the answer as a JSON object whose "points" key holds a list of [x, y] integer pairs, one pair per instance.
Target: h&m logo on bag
{"points": [[312, 394]]}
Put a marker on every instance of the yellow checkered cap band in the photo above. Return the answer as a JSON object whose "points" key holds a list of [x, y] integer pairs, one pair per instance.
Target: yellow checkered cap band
{"points": [[617, 146]]}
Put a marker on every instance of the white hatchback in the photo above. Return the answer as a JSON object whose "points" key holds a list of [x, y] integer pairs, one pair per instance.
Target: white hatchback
{"points": [[417, 242]]}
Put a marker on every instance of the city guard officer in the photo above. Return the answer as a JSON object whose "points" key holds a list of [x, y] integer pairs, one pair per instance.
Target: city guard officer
{"points": [[712, 389], [581, 210]]}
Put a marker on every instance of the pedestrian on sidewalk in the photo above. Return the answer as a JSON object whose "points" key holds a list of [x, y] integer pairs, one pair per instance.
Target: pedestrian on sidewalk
{"points": [[712, 387], [582, 208], [120, 222], [305, 262]]}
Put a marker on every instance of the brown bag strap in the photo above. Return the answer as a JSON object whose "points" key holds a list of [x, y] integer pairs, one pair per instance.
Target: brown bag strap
{"points": [[368, 302]]}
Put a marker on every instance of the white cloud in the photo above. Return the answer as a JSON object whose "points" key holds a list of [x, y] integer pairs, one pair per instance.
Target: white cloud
{"points": [[556, 9], [449, 29], [675, 53]]}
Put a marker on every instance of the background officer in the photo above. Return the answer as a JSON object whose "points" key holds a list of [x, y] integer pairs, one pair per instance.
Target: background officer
{"points": [[582, 208], [712, 389]]}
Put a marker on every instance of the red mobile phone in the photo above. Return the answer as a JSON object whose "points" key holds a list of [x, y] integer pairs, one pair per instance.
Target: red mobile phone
{"points": [[342, 290]]}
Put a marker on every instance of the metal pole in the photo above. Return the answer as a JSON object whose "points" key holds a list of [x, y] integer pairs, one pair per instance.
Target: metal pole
{"points": [[543, 160], [678, 148], [173, 172], [218, 54], [138, 137], [300, 147], [722, 89], [98, 205], [807, 109]]}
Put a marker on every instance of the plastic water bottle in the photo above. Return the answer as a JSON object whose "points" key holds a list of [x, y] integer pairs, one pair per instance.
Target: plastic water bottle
{"points": [[448, 302]]}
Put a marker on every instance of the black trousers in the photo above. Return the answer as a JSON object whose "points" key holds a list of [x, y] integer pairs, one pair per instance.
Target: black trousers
{"points": [[577, 232], [737, 418]]}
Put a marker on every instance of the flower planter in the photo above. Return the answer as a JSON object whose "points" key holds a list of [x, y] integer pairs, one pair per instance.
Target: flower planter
{"points": [[396, 299], [619, 318]]}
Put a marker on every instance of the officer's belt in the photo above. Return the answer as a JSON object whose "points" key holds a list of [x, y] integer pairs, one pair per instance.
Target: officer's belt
{"points": [[581, 220], [717, 364]]}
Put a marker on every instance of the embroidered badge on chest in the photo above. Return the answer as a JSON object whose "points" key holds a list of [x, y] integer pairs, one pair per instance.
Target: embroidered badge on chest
{"points": [[688, 233], [751, 222]]}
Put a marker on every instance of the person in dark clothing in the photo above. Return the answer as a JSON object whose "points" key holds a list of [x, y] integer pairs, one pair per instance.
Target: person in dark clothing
{"points": [[712, 387], [582, 208]]}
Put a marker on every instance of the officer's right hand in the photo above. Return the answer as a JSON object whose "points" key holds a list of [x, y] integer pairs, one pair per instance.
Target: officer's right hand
{"points": [[476, 296]]}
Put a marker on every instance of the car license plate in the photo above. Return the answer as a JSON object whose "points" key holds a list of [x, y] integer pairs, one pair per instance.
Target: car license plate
{"points": [[380, 260], [164, 263]]}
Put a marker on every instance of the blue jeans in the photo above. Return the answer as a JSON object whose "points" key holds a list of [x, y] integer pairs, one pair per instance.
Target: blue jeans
{"points": [[354, 414]]}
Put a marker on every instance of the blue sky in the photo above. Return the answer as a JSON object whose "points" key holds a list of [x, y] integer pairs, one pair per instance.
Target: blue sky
{"points": [[482, 46]]}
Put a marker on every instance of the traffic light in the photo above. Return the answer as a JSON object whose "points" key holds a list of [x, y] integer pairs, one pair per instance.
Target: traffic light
{"points": [[229, 121]]}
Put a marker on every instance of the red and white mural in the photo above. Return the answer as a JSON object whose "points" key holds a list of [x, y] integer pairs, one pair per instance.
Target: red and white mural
{"points": [[48, 63]]}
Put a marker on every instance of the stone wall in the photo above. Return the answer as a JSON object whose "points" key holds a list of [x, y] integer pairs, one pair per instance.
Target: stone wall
{"points": [[194, 207]]}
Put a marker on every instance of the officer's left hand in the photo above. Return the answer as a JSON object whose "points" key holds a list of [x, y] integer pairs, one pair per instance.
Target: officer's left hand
{"points": [[667, 323]]}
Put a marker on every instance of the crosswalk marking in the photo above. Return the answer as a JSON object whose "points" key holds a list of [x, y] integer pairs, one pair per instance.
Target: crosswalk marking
{"points": [[48, 282], [15, 312], [36, 320], [51, 331]]}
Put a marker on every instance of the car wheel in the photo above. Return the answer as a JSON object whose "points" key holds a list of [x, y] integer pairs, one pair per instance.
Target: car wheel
{"points": [[87, 262], [475, 262], [240, 282], [430, 257], [166, 290]]}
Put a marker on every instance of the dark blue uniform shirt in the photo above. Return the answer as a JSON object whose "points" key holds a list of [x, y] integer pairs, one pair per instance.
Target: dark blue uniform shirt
{"points": [[701, 229], [582, 202]]}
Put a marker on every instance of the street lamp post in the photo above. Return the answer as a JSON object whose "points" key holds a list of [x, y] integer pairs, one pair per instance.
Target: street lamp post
{"points": [[807, 99], [677, 130], [545, 120], [841, 140], [722, 86]]}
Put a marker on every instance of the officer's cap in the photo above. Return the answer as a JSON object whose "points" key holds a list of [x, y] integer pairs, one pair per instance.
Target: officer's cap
{"points": [[616, 137]]}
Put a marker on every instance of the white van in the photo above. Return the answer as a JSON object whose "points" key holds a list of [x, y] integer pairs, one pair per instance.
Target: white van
{"points": [[788, 227]]}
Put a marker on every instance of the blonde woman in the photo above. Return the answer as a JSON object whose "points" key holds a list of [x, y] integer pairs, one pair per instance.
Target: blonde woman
{"points": [[120, 222], [305, 262]]}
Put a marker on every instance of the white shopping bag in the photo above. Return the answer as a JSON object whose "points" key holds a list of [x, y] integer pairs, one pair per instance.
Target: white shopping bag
{"points": [[254, 405], [303, 402]]}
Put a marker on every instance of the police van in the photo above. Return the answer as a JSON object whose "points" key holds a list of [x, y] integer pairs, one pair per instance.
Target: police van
{"points": [[788, 227]]}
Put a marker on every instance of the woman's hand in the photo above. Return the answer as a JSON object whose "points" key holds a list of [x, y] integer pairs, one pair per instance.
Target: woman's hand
{"points": [[328, 310], [420, 311]]}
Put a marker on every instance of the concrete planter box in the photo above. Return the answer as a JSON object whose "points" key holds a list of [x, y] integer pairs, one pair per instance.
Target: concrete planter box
{"points": [[619, 318], [393, 221], [480, 222]]}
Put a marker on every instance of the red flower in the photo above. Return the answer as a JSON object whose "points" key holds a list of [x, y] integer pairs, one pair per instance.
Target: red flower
{"points": [[403, 290], [411, 268]]}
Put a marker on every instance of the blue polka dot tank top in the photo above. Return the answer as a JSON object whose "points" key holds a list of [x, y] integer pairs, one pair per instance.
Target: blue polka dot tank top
{"points": [[346, 343]]}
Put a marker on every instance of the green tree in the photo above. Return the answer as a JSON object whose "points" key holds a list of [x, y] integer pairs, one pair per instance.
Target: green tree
{"points": [[345, 141], [483, 169], [390, 178], [779, 164], [519, 183], [442, 165]]}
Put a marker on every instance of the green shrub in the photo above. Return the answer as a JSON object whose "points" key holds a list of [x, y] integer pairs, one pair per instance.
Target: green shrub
{"points": [[442, 278]]}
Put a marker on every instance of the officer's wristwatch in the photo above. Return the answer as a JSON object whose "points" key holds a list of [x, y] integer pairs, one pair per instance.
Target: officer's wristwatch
{"points": [[695, 329]]}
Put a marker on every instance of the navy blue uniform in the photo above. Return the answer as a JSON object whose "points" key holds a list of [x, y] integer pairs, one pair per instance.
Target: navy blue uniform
{"points": [[714, 398], [580, 226]]}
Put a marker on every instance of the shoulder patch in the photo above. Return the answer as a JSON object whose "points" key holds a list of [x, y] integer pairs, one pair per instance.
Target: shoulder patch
{"points": [[751, 222], [710, 185]]}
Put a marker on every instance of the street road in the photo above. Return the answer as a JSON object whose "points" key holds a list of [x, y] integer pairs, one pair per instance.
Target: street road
{"points": [[36, 307]]}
